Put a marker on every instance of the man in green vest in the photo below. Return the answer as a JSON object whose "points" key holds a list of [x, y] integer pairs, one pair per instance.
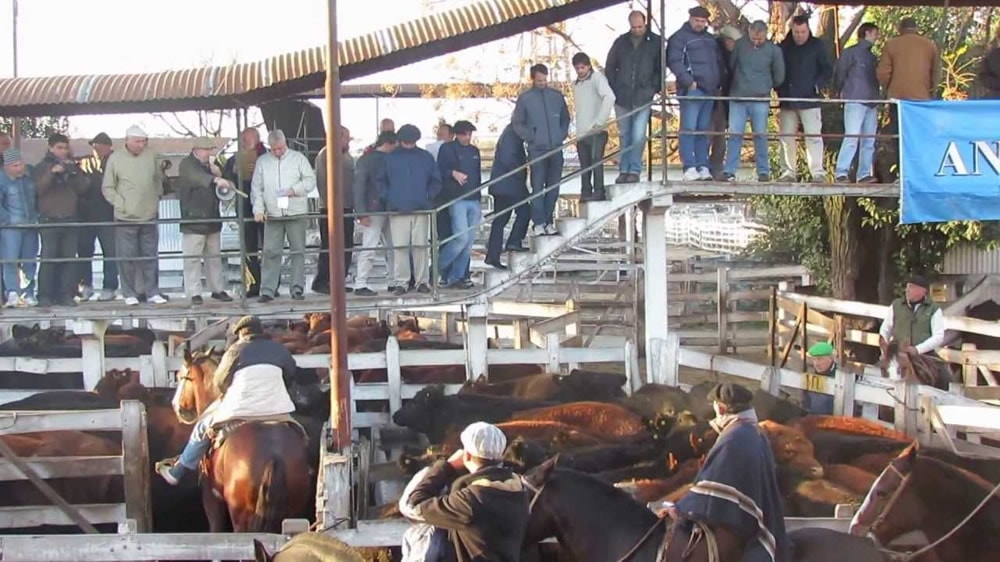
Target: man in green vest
{"points": [[822, 362], [913, 323]]}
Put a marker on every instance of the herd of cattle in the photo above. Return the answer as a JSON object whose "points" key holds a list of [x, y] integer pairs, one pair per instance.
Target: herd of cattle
{"points": [[649, 443]]}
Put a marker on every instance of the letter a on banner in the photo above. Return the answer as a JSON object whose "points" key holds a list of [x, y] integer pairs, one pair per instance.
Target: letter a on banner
{"points": [[949, 160]]}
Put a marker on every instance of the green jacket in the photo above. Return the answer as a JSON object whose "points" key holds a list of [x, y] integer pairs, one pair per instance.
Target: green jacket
{"points": [[196, 192], [909, 326]]}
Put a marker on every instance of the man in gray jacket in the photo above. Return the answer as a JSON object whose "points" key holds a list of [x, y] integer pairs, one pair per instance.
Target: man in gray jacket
{"points": [[345, 187], [757, 67], [541, 118], [854, 78], [374, 228]]}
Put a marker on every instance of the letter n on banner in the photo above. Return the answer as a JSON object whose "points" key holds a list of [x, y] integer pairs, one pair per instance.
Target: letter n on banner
{"points": [[949, 160]]}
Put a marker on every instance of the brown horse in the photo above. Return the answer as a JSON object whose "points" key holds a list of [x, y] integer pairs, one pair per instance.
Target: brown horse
{"points": [[597, 522], [956, 510], [918, 368], [260, 474]]}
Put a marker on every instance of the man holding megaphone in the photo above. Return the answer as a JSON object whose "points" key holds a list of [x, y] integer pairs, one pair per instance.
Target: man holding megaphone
{"points": [[200, 185]]}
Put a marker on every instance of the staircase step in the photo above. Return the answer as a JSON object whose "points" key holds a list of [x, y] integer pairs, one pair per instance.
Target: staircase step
{"points": [[496, 277], [594, 210], [571, 226], [520, 261], [619, 190], [544, 246]]}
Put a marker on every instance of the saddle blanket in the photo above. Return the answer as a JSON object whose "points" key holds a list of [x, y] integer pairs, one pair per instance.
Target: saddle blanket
{"points": [[219, 433]]}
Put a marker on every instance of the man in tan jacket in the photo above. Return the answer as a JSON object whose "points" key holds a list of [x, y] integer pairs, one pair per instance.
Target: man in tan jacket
{"points": [[133, 184], [910, 67]]}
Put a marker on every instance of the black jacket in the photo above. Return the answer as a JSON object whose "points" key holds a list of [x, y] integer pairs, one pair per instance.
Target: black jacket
{"points": [[807, 70], [485, 512], [195, 188], [509, 155], [635, 72], [453, 156], [92, 206]]}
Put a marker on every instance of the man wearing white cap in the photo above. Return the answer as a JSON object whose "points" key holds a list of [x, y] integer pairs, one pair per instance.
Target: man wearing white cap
{"points": [[133, 184], [486, 509]]}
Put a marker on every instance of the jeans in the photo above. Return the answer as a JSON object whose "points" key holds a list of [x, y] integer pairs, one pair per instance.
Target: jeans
{"points": [[859, 119], [138, 243], [197, 445], [632, 134], [591, 151], [456, 254], [57, 279], [87, 236], [812, 124], [696, 116], [739, 112], [19, 244], [544, 174], [517, 232]]}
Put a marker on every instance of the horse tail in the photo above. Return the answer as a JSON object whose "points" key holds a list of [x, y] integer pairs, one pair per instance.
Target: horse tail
{"points": [[272, 499]]}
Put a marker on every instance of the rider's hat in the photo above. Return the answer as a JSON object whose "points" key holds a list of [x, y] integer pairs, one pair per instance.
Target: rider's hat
{"points": [[248, 323]]}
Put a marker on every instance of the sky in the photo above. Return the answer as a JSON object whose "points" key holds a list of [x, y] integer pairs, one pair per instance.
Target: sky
{"points": [[59, 37]]}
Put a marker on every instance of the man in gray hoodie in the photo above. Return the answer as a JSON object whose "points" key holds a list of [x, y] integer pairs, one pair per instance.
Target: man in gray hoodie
{"points": [[541, 118], [757, 67]]}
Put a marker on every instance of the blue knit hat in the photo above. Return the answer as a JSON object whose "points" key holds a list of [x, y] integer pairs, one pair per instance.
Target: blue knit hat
{"points": [[12, 156]]}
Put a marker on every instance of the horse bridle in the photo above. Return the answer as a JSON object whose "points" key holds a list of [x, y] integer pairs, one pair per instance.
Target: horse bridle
{"points": [[906, 556], [537, 494]]}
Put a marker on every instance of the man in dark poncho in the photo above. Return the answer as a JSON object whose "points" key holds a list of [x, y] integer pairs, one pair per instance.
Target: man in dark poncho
{"points": [[736, 487]]}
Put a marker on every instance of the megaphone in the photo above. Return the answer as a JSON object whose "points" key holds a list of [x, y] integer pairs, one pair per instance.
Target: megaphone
{"points": [[227, 193]]}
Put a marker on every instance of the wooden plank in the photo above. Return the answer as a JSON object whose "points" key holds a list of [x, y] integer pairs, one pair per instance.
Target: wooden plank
{"points": [[982, 392], [135, 547], [88, 420], [744, 274], [35, 515], [790, 344], [135, 452], [63, 467], [974, 417], [707, 298]]}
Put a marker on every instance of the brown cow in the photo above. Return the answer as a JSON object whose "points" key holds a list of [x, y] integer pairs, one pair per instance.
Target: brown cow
{"points": [[608, 421], [559, 436], [652, 490], [853, 426], [850, 478], [874, 462], [791, 449]]}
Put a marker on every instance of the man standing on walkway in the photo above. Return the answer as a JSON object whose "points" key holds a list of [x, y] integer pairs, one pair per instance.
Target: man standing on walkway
{"points": [[910, 67], [282, 180], [18, 246], [197, 180], [374, 228], [854, 79], [408, 183], [94, 208], [634, 71], [507, 192], [461, 176], [807, 71], [757, 67], [594, 100], [694, 58], [239, 170], [133, 184], [445, 133], [345, 187], [728, 36], [58, 183], [541, 118]]}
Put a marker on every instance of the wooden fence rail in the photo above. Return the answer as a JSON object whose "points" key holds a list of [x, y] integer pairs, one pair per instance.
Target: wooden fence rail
{"points": [[132, 464]]}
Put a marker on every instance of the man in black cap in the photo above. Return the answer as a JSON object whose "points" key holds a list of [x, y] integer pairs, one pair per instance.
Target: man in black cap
{"points": [[252, 381], [913, 322], [461, 176], [408, 182], [736, 487], [94, 208]]}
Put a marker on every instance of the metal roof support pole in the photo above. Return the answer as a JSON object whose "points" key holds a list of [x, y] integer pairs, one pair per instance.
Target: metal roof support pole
{"points": [[663, 91], [240, 212], [340, 385]]}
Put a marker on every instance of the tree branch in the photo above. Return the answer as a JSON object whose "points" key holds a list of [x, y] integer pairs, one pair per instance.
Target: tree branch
{"points": [[852, 27]]}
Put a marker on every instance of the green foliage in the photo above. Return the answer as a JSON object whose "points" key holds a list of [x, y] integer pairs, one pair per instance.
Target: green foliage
{"points": [[36, 128], [797, 232]]}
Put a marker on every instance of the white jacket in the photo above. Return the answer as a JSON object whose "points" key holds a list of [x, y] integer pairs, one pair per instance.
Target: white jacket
{"points": [[290, 176], [594, 101], [256, 391]]}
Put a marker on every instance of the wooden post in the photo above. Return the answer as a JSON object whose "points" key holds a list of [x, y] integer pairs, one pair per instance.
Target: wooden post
{"points": [[843, 397], [135, 458], [394, 374], [970, 373], [573, 329], [722, 307], [446, 332], [906, 408], [670, 352], [522, 334], [772, 326], [656, 273], [804, 334], [838, 338], [161, 378], [552, 346], [633, 376], [333, 497], [91, 334], [476, 336], [770, 381]]}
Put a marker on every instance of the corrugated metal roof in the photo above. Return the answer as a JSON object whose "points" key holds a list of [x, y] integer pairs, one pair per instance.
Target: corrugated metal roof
{"points": [[291, 73], [967, 259]]}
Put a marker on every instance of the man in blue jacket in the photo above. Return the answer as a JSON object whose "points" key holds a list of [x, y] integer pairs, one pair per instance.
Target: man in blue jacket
{"points": [[18, 207], [694, 58], [461, 175], [854, 78], [507, 192], [807, 71], [541, 118], [408, 182]]}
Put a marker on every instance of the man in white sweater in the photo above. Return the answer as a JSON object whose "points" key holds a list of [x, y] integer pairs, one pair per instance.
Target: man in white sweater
{"points": [[594, 101], [281, 180]]}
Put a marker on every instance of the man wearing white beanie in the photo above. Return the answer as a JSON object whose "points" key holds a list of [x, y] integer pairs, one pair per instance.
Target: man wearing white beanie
{"points": [[485, 511], [133, 184]]}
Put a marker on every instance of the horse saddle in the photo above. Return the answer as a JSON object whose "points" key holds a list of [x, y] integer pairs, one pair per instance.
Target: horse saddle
{"points": [[699, 532], [219, 433]]}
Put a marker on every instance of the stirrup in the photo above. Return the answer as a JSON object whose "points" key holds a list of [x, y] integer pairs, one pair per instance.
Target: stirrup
{"points": [[166, 463]]}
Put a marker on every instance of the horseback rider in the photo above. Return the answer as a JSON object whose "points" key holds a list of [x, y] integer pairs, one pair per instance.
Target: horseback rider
{"points": [[913, 323], [251, 380], [822, 361], [485, 511], [736, 487]]}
